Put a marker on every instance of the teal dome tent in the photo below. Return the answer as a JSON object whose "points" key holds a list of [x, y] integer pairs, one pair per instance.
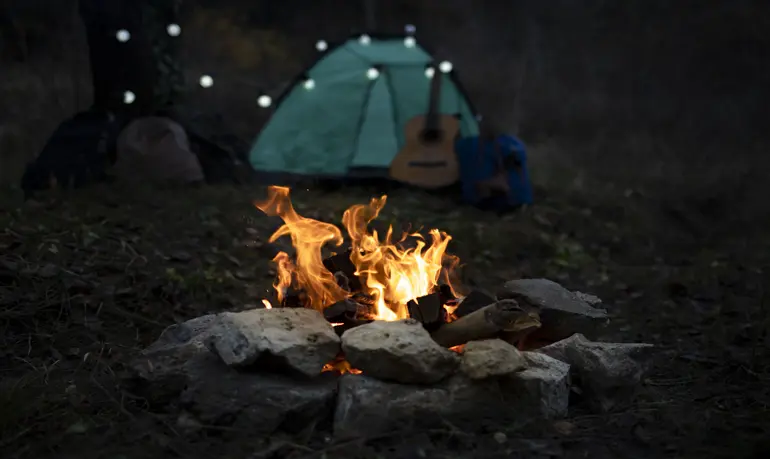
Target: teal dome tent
{"points": [[345, 115]]}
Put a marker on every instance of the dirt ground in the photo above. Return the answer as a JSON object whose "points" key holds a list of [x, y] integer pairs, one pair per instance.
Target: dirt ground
{"points": [[88, 279]]}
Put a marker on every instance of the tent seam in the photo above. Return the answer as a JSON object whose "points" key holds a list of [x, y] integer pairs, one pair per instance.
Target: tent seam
{"points": [[360, 123]]}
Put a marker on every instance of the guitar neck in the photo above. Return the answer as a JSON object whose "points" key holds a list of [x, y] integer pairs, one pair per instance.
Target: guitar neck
{"points": [[431, 118]]}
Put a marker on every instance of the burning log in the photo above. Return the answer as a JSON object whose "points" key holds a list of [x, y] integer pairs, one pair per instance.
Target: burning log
{"points": [[429, 310], [340, 265], [364, 299], [487, 322], [342, 280], [472, 302], [446, 295], [344, 315], [294, 298]]}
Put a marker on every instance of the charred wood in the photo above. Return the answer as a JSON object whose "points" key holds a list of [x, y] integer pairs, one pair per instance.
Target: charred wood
{"points": [[484, 323], [341, 263], [472, 302], [342, 280], [346, 314], [429, 310], [445, 293], [294, 298]]}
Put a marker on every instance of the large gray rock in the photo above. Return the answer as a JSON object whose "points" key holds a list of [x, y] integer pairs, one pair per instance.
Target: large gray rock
{"points": [[544, 385], [401, 351], [191, 334], [296, 339], [178, 369], [609, 374], [562, 312], [161, 366], [368, 407], [489, 358], [261, 403]]}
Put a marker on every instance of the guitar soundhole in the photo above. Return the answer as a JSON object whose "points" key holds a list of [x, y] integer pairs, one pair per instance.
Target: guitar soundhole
{"points": [[428, 164], [431, 135]]}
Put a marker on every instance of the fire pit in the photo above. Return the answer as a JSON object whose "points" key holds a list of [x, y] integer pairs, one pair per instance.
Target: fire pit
{"points": [[380, 335]]}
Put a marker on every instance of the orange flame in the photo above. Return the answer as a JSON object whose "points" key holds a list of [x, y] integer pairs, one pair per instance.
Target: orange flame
{"points": [[340, 366], [390, 275], [307, 237]]}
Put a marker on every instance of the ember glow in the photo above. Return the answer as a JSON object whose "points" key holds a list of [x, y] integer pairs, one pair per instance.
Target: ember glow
{"points": [[390, 274]]}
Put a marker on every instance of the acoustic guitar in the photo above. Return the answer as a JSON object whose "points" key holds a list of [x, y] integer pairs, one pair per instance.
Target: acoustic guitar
{"points": [[428, 158]]}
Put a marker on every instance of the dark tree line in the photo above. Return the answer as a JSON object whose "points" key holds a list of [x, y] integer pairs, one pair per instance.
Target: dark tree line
{"points": [[146, 64]]}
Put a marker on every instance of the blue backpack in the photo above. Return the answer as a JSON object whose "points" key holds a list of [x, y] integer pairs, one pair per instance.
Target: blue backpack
{"points": [[493, 175]]}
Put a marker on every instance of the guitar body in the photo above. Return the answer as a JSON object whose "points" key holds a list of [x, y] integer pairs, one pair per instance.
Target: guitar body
{"points": [[428, 159]]}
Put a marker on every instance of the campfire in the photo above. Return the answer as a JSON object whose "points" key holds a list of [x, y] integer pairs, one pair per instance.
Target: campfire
{"points": [[381, 276], [375, 278], [373, 336]]}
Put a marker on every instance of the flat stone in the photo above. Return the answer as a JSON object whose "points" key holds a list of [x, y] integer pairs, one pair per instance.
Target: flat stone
{"points": [[295, 339], [562, 312], [490, 358], [609, 374], [401, 351]]}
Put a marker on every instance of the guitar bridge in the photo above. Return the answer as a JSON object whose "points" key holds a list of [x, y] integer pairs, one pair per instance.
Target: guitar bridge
{"points": [[428, 164]]}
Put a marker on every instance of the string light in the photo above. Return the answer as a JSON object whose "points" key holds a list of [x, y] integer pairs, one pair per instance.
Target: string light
{"points": [[365, 39], [410, 29], [173, 30], [429, 72], [445, 67], [410, 42], [264, 101], [123, 35], [309, 84], [129, 97], [321, 45], [206, 81], [372, 73]]}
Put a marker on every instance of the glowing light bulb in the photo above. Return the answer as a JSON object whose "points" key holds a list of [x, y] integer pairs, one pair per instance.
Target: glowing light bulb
{"points": [[264, 101], [429, 72], [372, 73], [123, 35], [365, 39], [445, 67], [309, 84], [174, 30], [206, 81], [129, 97], [410, 42], [410, 29], [321, 45]]}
